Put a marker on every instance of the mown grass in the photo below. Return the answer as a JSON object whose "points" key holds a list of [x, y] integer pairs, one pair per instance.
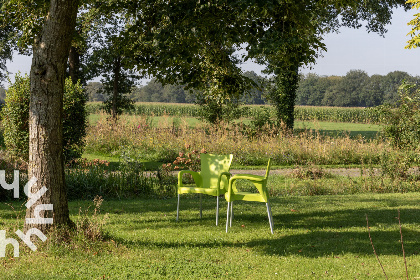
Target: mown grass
{"points": [[321, 237]]}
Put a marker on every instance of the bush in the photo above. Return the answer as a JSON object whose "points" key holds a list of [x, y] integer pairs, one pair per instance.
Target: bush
{"points": [[74, 120], [15, 118], [402, 124]]}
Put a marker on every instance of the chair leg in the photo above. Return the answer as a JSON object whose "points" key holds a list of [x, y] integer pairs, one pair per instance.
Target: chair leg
{"points": [[217, 211], [227, 218], [270, 217], [231, 213], [201, 205], [177, 210]]}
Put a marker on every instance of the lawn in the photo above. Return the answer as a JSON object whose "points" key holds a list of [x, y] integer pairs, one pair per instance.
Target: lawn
{"points": [[315, 237]]}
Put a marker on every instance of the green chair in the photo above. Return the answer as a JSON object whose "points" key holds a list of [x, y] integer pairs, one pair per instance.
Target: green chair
{"points": [[233, 194], [211, 180]]}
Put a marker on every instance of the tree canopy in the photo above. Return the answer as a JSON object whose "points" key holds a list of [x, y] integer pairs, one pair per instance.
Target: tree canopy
{"points": [[414, 41]]}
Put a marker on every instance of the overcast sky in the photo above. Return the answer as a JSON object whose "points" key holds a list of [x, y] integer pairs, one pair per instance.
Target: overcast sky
{"points": [[347, 50]]}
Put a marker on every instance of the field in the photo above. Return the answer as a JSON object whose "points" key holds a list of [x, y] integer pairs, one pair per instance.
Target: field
{"points": [[317, 237], [304, 113], [320, 218]]}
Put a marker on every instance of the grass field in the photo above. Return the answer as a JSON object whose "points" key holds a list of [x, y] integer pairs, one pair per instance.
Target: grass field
{"points": [[321, 237], [335, 129]]}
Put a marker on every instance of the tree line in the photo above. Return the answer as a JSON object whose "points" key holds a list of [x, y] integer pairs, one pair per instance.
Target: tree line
{"points": [[355, 89]]}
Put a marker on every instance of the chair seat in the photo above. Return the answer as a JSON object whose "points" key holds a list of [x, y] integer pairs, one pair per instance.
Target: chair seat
{"points": [[209, 191], [247, 196]]}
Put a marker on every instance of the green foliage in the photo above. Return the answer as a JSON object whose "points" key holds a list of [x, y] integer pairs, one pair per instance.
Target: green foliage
{"points": [[414, 42], [282, 96], [216, 111], [86, 179], [402, 124], [262, 123], [74, 120], [117, 104], [15, 117], [355, 89]]}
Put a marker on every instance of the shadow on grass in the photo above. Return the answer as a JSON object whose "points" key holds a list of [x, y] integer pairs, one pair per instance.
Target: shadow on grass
{"points": [[310, 233]]}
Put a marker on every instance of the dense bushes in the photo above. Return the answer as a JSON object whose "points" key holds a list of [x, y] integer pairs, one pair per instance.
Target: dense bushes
{"points": [[402, 124], [15, 118]]}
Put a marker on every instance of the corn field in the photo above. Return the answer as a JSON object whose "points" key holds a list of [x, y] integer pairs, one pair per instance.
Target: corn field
{"points": [[303, 113]]}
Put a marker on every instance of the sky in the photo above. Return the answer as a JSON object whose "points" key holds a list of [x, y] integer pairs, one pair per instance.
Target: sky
{"points": [[348, 50]]}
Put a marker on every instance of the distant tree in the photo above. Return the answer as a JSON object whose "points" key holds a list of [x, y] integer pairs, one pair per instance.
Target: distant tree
{"points": [[151, 92], [93, 91], [390, 84], [349, 88], [112, 61], [306, 88], [256, 95], [174, 94], [372, 93], [193, 42]]}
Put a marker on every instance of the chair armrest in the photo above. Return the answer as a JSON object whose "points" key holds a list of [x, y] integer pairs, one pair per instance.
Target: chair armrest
{"points": [[228, 175], [196, 177], [249, 177]]}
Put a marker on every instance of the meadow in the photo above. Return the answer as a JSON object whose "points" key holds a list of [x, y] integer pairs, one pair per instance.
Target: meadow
{"points": [[320, 226], [315, 237]]}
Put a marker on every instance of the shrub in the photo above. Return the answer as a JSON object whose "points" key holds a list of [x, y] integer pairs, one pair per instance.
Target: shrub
{"points": [[15, 117], [402, 124], [74, 120]]}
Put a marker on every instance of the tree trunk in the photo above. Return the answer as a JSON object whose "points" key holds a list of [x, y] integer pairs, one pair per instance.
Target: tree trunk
{"points": [[117, 69], [46, 161], [74, 64], [283, 96]]}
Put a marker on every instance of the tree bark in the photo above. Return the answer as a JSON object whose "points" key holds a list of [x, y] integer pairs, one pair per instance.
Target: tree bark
{"points": [[74, 64], [46, 161]]}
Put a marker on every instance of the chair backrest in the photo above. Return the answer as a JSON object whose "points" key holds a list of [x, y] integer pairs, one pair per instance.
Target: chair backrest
{"points": [[212, 166], [268, 168]]}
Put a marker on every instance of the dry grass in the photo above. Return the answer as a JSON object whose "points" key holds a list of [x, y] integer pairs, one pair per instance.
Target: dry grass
{"points": [[163, 143]]}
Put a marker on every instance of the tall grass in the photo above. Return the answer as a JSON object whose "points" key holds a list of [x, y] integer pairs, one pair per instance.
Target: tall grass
{"points": [[143, 142]]}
